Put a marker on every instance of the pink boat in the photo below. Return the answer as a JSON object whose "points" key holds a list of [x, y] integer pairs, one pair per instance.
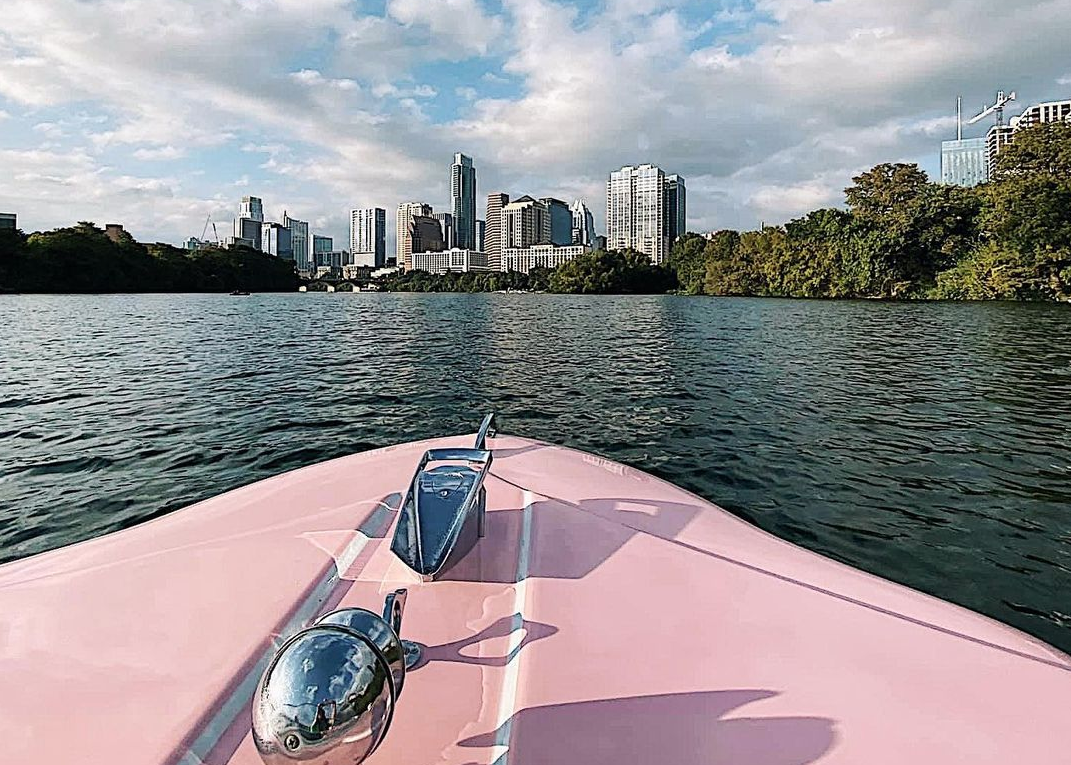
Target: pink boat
{"points": [[505, 601]]}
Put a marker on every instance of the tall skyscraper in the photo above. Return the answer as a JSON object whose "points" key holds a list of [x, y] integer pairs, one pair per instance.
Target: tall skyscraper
{"points": [[964, 162], [404, 245], [249, 223], [368, 237], [481, 235], [425, 235], [463, 200], [299, 240], [446, 222], [583, 224], [526, 222], [252, 208], [676, 208], [561, 221], [275, 239], [636, 211], [494, 233], [322, 244]]}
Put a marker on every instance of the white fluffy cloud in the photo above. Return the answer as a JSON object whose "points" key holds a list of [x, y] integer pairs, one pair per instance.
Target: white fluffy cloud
{"points": [[460, 26], [768, 108]]}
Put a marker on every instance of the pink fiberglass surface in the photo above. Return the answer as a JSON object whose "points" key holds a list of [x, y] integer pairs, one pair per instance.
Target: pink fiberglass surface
{"points": [[606, 617]]}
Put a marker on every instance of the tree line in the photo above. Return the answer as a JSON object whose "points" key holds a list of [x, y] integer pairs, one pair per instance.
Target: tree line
{"points": [[83, 259], [593, 273], [902, 236]]}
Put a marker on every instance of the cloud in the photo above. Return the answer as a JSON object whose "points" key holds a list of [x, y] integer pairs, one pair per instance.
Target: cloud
{"points": [[457, 24], [65, 187], [158, 154], [768, 107]]}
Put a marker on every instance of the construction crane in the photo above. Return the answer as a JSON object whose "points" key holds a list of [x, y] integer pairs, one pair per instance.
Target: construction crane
{"points": [[205, 229], [216, 234], [1003, 99]]}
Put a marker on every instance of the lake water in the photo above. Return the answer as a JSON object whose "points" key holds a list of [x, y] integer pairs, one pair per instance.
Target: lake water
{"points": [[928, 443]]}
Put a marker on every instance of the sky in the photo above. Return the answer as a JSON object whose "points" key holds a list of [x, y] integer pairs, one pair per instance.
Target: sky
{"points": [[160, 113]]}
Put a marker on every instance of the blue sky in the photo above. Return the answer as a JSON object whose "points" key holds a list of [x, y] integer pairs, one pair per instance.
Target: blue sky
{"points": [[159, 114]]}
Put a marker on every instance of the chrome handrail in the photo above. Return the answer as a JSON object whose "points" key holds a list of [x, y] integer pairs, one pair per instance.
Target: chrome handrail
{"points": [[487, 430]]}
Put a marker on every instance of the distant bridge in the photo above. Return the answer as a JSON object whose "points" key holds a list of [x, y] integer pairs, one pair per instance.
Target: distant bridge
{"points": [[322, 285]]}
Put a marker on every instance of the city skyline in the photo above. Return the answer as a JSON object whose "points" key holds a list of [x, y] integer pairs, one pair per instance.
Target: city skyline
{"points": [[158, 120]]}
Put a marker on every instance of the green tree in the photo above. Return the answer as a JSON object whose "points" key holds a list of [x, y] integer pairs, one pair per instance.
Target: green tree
{"points": [[1042, 149], [688, 260], [910, 228], [12, 258], [603, 273]]}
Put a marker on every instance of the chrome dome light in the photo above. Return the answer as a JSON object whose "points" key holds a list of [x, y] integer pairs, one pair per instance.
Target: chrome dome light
{"points": [[328, 696]]}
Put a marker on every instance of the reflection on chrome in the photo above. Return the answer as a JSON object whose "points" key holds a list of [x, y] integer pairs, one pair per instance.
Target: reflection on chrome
{"points": [[328, 695], [442, 515], [381, 634]]}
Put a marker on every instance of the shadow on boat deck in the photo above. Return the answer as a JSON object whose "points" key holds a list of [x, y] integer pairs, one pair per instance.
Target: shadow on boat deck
{"points": [[681, 728]]}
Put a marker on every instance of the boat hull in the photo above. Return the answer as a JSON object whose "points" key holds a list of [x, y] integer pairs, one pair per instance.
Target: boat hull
{"points": [[607, 616]]}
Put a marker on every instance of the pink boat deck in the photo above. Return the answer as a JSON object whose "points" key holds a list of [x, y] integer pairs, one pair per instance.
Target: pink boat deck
{"points": [[606, 617]]}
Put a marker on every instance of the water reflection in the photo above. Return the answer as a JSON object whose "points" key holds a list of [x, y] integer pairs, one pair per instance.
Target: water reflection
{"points": [[928, 443]]}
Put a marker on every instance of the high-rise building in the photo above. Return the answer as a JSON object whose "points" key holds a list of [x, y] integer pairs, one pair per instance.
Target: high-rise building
{"points": [[481, 235], [1050, 111], [249, 230], [446, 223], [8, 221], [275, 240], [964, 162], [335, 259], [252, 208], [368, 237], [583, 224], [463, 200], [1000, 136], [299, 240], [561, 221], [524, 259], [636, 211], [248, 226], [525, 222], [454, 259], [322, 244], [676, 208], [494, 232], [404, 245], [425, 235], [996, 139]]}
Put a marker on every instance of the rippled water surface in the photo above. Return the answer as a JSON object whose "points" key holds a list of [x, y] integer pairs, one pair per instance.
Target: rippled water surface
{"points": [[928, 443]]}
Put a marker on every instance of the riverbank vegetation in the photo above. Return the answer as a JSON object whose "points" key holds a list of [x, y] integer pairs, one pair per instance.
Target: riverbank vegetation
{"points": [[595, 273], [83, 259], [902, 236], [422, 281]]}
